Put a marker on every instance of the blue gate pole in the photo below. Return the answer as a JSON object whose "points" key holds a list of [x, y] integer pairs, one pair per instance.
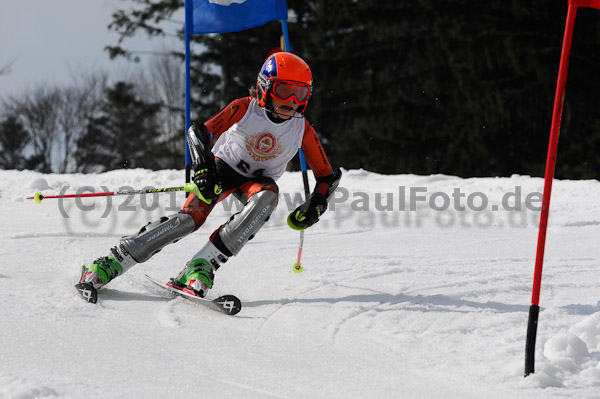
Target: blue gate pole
{"points": [[286, 43], [188, 26]]}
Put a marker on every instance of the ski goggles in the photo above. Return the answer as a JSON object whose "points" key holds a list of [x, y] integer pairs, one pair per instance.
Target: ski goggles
{"points": [[283, 91]]}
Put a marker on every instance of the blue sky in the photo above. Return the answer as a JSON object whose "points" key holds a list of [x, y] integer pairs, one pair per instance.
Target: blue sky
{"points": [[48, 40]]}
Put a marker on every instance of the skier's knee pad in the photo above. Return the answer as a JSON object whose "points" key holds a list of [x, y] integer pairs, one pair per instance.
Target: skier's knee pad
{"points": [[156, 235], [244, 224]]}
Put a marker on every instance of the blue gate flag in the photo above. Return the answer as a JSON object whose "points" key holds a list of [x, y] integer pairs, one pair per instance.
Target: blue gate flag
{"points": [[220, 16]]}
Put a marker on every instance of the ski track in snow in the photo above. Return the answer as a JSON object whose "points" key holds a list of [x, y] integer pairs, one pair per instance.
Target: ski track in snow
{"points": [[390, 305]]}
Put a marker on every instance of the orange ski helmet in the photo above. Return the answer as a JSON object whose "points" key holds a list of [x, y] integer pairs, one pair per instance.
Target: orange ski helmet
{"points": [[285, 77]]}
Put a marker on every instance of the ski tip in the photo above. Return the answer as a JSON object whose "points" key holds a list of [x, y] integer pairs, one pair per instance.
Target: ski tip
{"points": [[88, 292], [228, 304]]}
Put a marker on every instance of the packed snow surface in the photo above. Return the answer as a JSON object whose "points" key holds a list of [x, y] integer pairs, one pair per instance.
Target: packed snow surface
{"points": [[413, 287]]}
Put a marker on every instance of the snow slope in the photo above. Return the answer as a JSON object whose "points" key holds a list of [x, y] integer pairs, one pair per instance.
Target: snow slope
{"points": [[393, 303]]}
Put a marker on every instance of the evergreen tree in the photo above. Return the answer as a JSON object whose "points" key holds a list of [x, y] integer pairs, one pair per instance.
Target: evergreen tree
{"points": [[124, 135], [13, 139], [580, 131]]}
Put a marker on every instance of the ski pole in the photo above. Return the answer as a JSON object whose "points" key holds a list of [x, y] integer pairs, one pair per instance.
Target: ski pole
{"points": [[38, 197], [297, 267]]}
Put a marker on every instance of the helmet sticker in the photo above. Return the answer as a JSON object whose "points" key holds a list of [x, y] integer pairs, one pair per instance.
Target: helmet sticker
{"points": [[270, 68]]}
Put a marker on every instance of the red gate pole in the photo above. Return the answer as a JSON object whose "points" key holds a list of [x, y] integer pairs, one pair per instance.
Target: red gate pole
{"points": [[563, 70]]}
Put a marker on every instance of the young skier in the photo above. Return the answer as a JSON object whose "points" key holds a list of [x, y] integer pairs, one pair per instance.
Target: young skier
{"points": [[242, 151]]}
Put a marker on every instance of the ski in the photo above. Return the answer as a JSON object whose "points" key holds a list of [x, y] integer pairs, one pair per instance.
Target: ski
{"points": [[227, 304], [88, 292]]}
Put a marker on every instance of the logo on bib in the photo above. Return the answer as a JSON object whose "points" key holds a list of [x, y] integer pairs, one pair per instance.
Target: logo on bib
{"points": [[263, 146]]}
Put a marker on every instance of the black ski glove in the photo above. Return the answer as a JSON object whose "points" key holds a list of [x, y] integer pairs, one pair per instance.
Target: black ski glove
{"points": [[308, 213], [206, 181]]}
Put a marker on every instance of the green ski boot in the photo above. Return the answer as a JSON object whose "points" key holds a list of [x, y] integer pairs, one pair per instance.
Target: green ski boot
{"points": [[198, 276], [101, 272]]}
